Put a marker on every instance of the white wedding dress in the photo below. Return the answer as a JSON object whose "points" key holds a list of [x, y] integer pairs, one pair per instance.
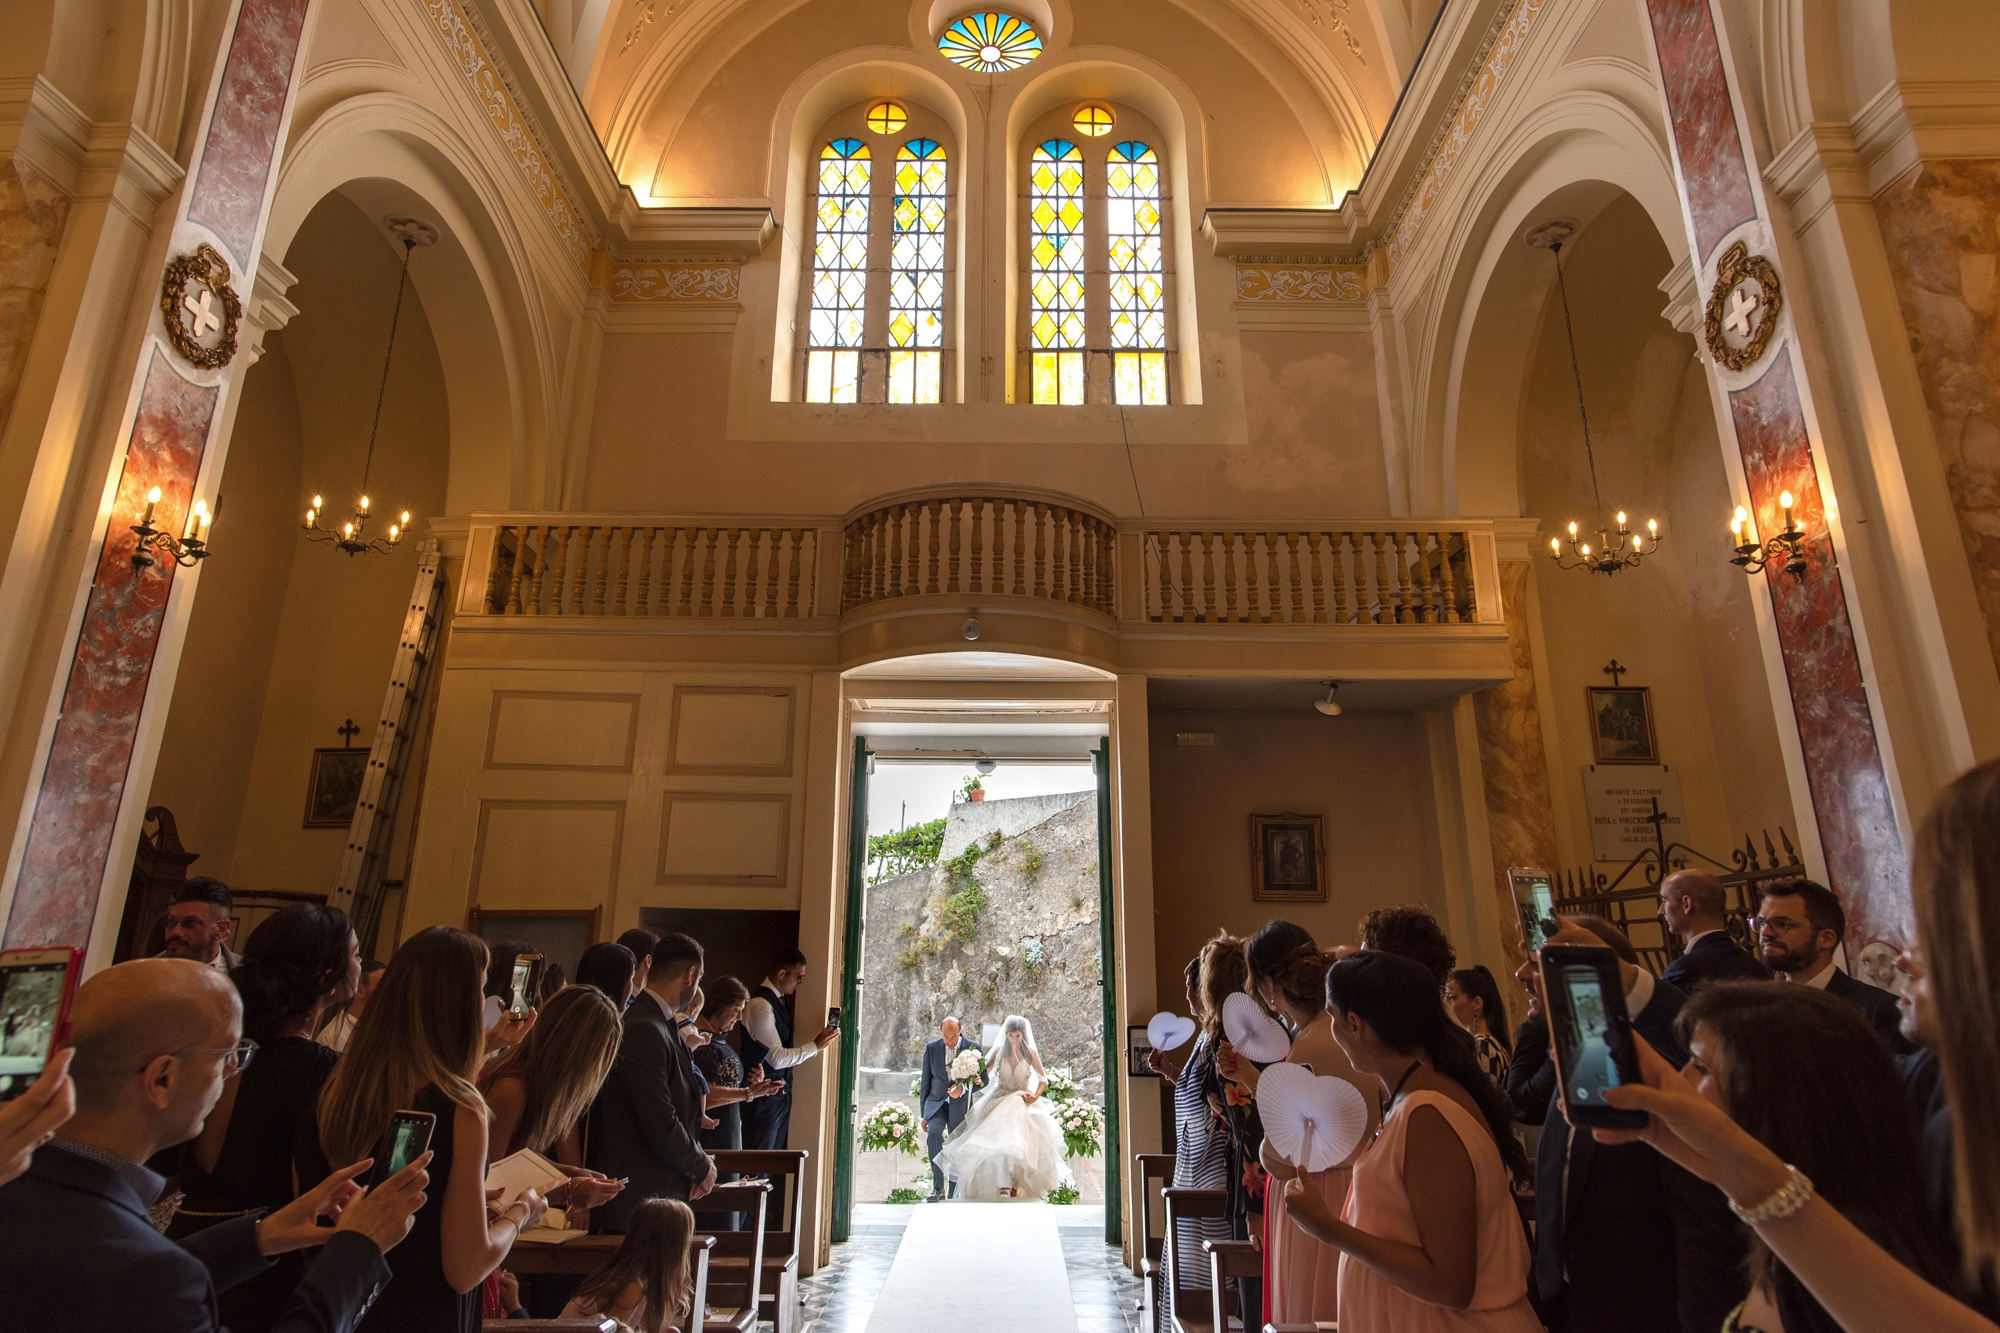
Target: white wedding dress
{"points": [[1005, 1142]]}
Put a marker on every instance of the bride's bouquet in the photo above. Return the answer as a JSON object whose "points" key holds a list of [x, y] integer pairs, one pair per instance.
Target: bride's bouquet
{"points": [[967, 1067], [1082, 1124], [891, 1127]]}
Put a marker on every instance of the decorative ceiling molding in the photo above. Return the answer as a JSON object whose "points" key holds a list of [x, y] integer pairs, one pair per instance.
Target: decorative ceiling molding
{"points": [[1301, 283]]}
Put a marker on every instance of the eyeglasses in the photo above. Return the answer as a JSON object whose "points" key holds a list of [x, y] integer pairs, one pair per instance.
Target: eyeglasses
{"points": [[1777, 925], [191, 922], [235, 1059]]}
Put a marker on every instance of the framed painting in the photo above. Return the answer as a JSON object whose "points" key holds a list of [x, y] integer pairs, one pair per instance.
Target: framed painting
{"points": [[1288, 858], [1621, 724], [334, 788], [1138, 1045]]}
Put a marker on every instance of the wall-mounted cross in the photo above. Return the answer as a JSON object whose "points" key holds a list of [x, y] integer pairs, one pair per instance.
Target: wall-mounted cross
{"points": [[348, 732], [1615, 671]]}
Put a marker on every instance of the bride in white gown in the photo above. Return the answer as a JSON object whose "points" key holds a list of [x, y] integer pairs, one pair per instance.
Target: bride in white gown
{"points": [[1009, 1143]]}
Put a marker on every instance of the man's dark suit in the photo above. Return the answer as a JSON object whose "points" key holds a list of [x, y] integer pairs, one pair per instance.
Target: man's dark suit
{"points": [[1877, 1006], [1624, 1239], [646, 1122], [79, 1253], [942, 1110], [1714, 957]]}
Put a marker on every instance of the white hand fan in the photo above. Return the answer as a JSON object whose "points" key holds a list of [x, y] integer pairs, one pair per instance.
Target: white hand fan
{"points": [[1256, 1035], [1167, 1031], [1314, 1123]]}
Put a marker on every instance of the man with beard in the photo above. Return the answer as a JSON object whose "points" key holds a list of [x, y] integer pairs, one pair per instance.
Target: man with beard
{"points": [[1798, 927], [198, 924]]}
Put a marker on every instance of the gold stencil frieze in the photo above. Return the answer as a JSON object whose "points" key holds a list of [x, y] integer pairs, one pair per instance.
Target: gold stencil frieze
{"points": [[515, 135], [1314, 283], [674, 282]]}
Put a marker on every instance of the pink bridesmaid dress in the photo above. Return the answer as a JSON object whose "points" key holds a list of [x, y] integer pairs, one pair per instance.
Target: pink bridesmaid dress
{"points": [[1378, 1204], [1304, 1285]]}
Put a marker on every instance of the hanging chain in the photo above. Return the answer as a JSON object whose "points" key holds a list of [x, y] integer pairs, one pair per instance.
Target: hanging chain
{"points": [[396, 318], [1569, 331]]}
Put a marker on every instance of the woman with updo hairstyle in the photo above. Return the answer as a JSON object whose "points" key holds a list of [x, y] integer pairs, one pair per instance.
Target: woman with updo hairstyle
{"points": [[296, 963], [1473, 997]]}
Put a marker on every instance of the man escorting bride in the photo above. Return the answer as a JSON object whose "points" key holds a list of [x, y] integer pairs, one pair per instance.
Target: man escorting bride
{"points": [[1009, 1145]]}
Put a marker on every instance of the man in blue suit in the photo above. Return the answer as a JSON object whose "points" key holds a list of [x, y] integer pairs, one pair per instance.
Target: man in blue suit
{"points": [[1694, 905], [941, 1102]]}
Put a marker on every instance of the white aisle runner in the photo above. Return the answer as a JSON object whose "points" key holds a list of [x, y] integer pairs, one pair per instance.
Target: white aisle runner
{"points": [[978, 1265]]}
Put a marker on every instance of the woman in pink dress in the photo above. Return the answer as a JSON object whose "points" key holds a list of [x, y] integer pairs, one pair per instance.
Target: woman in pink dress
{"points": [[1430, 1239], [1305, 1272]]}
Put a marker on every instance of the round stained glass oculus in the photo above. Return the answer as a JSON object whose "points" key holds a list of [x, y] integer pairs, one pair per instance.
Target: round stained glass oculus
{"points": [[887, 117], [1094, 120], [990, 42]]}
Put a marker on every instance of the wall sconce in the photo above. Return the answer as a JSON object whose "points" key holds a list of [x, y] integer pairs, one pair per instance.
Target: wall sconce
{"points": [[1751, 555], [190, 550]]}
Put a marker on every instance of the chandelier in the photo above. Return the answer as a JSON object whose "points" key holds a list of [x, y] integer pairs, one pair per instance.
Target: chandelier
{"points": [[352, 535], [1617, 547]]}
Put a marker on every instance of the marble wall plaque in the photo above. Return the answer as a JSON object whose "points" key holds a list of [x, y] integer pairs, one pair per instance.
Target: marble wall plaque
{"points": [[1619, 799]]}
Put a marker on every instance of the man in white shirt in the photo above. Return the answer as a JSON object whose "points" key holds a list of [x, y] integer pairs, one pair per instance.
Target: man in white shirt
{"points": [[767, 1041], [340, 1031]]}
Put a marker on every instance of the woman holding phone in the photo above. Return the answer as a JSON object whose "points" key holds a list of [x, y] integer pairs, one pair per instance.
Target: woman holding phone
{"points": [[539, 1092], [417, 1048]]}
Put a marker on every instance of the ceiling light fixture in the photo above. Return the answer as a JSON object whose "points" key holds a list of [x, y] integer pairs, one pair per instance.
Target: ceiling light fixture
{"points": [[1329, 705], [1618, 548]]}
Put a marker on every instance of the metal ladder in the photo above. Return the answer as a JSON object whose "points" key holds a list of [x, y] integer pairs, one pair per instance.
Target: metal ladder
{"points": [[358, 888]]}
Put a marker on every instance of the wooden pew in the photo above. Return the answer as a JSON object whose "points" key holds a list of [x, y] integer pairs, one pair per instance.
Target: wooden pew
{"points": [[1227, 1261], [1148, 1168], [1188, 1309], [736, 1270], [785, 1169]]}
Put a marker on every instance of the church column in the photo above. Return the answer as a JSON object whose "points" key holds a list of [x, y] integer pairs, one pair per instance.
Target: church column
{"points": [[1816, 647], [93, 761]]}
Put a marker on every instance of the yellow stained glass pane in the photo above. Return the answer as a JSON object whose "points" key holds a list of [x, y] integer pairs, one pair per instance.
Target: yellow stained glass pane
{"points": [[887, 117], [1047, 388], [1071, 374], [840, 273], [1093, 120], [1133, 259]]}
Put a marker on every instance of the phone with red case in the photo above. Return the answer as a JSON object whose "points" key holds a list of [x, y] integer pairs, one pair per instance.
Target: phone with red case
{"points": [[36, 986]]}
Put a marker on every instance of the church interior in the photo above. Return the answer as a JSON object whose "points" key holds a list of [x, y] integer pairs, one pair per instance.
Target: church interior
{"points": [[617, 425]]}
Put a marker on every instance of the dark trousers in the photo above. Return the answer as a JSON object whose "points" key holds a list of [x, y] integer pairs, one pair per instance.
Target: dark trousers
{"points": [[767, 1122], [949, 1116]]}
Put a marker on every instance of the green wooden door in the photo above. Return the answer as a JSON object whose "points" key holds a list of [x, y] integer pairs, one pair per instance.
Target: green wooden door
{"points": [[850, 992]]}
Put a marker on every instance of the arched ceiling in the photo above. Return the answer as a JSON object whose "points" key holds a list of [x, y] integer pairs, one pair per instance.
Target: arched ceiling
{"points": [[1339, 65]]}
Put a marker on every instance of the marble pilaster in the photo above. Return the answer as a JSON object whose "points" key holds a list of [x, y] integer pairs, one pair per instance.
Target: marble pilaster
{"points": [[32, 214], [1513, 765]]}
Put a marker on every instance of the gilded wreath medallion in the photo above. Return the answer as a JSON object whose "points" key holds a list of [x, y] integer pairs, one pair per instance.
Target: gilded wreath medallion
{"points": [[1743, 308], [200, 308]]}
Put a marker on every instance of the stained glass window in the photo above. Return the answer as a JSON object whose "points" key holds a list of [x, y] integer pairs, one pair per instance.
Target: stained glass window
{"points": [[1138, 287], [1094, 120], [990, 43], [840, 275], [887, 117], [1055, 272], [916, 274]]}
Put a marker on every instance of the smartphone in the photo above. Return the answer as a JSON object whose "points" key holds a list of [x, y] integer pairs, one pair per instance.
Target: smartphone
{"points": [[527, 968], [833, 1017], [409, 1133], [35, 990], [1535, 902], [1591, 1034]]}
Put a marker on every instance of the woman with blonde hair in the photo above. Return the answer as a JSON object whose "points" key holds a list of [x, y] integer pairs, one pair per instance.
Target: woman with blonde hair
{"points": [[539, 1092], [417, 1047]]}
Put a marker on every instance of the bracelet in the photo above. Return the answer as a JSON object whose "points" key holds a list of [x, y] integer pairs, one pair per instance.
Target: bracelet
{"points": [[1784, 1201]]}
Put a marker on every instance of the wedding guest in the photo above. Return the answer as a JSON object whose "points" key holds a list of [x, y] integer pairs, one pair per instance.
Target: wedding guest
{"points": [[1474, 999], [1168, 1064], [418, 1048], [728, 1083], [538, 1092], [1305, 1272], [941, 1101], [640, 943], [295, 964], [645, 1125], [553, 980], [1201, 1133], [767, 1041], [612, 969], [1414, 933], [1695, 907], [1799, 925], [198, 924], [339, 1029], [1429, 1236], [646, 1285], [154, 1041], [1805, 1075]]}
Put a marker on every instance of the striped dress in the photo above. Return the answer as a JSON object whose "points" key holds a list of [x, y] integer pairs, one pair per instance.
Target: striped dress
{"points": [[1201, 1160]]}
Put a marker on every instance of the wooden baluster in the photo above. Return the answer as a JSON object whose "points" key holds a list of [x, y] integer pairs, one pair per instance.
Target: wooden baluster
{"points": [[1041, 587], [1274, 611], [1319, 584], [1404, 613], [680, 546], [1185, 542], [764, 549], [532, 606], [792, 576], [1207, 607], [1020, 526], [511, 603], [850, 563], [565, 542], [1458, 589], [978, 544], [1385, 588], [731, 538], [1295, 613], [1176, 544], [582, 562], [495, 599], [1107, 569], [707, 578], [954, 509], [1427, 607], [603, 572], [624, 571], [642, 600], [927, 517], [1339, 544], [1087, 574], [895, 588], [1230, 613], [576, 567], [1072, 548]]}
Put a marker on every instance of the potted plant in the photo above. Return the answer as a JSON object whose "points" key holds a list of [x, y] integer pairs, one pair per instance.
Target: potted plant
{"points": [[973, 788]]}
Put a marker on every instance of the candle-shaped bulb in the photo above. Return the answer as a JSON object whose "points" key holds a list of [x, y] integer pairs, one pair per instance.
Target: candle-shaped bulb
{"points": [[364, 504], [1784, 499], [1621, 518], [1572, 528], [1637, 542], [406, 518], [318, 503], [1653, 526], [395, 533], [347, 530], [1586, 548], [204, 519], [153, 496], [1736, 525], [310, 516], [1555, 544]]}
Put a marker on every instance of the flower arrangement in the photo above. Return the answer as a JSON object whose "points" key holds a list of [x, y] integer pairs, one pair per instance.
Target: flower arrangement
{"points": [[891, 1127], [1082, 1124], [967, 1067], [1061, 1084], [1065, 1194]]}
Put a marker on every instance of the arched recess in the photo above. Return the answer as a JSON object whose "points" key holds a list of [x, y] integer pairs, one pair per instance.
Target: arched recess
{"points": [[837, 81], [1082, 74], [389, 156]]}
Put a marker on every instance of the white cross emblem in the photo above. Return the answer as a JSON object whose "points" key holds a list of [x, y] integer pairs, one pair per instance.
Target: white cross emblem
{"points": [[205, 319], [1741, 303]]}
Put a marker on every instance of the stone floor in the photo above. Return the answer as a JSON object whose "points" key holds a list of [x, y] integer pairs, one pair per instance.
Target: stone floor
{"points": [[841, 1296]]}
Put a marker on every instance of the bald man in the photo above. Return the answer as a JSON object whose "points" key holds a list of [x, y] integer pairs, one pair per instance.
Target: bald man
{"points": [[1694, 905], [154, 1041]]}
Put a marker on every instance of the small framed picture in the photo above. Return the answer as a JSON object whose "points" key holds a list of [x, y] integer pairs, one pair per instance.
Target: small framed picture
{"points": [[335, 787], [1288, 858], [1138, 1045], [1621, 724]]}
